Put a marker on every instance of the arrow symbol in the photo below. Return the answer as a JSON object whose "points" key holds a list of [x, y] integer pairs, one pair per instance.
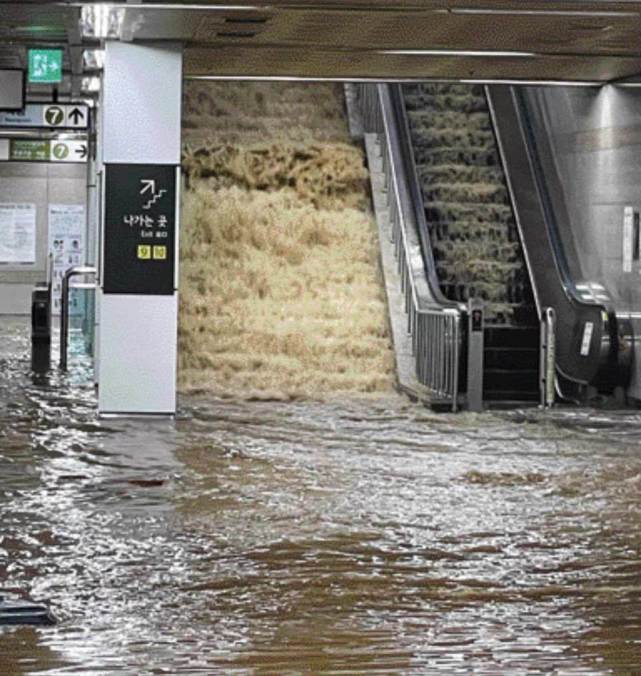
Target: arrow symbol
{"points": [[149, 184], [76, 115], [82, 151]]}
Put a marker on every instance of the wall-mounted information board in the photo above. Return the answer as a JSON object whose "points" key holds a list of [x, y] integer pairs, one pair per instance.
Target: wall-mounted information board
{"points": [[140, 229], [17, 233]]}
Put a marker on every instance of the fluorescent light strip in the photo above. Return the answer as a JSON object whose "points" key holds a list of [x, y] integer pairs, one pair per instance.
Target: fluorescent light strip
{"points": [[93, 59], [380, 80], [538, 83], [201, 8], [544, 12], [458, 52]]}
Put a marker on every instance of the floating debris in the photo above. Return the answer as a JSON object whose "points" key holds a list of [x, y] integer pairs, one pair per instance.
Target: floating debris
{"points": [[24, 612]]}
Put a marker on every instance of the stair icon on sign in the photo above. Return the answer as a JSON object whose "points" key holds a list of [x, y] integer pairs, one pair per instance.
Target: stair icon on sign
{"points": [[149, 186]]}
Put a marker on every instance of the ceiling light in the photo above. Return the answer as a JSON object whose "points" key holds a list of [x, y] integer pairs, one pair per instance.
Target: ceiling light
{"points": [[458, 52], [90, 84], [93, 59], [544, 12], [174, 6], [101, 21], [534, 83]]}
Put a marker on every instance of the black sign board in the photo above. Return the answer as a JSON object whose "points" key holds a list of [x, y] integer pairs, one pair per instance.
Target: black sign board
{"points": [[140, 228]]}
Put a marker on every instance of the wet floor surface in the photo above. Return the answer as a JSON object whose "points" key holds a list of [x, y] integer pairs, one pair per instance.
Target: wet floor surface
{"points": [[338, 537]]}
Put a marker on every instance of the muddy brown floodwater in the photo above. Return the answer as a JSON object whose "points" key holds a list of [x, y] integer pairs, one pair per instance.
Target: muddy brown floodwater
{"points": [[367, 536]]}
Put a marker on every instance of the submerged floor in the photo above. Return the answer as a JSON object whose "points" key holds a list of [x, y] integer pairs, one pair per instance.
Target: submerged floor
{"points": [[354, 537]]}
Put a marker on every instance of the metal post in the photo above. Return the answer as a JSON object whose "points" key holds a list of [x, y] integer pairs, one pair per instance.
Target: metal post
{"points": [[547, 361], [64, 309], [41, 328], [475, 355]]}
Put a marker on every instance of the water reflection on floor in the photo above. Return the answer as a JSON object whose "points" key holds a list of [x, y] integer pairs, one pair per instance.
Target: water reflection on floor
{"points": [[354, 536]]}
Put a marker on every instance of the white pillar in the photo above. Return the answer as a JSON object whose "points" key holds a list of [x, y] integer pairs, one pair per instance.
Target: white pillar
{"points": [[140, 158]]}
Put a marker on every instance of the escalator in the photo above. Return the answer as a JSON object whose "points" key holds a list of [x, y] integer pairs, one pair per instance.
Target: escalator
{"points": [[593, 343], [489, 214], [469, 233]]}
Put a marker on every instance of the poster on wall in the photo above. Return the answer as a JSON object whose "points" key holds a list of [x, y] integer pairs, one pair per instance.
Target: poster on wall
{"points": [[17, 233], [67, 247]]}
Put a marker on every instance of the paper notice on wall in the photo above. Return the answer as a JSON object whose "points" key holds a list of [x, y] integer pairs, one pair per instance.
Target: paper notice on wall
{"points": [[17, 233], [67, 246]]}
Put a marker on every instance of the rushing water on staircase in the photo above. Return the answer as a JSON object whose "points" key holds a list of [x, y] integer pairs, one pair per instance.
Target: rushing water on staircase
{"points": [[340, 536]]}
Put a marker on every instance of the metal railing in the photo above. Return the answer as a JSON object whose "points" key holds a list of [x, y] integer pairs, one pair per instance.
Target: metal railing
{"points": [[435, 330], [64, 307], [547, 362]]}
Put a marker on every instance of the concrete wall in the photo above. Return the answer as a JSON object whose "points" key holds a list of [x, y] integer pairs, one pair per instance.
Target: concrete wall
{"points": [[39, 184]]}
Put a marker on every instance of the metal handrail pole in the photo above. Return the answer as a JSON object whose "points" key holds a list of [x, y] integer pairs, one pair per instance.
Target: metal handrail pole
{"points": [[547, 360], [64, 309], [457, 357]]}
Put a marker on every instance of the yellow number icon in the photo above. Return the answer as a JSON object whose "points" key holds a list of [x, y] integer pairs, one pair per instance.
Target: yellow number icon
{"points": [[160, 253]]}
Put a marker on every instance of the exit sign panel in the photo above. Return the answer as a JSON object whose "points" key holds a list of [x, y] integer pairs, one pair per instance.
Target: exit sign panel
{"points": [[45, 66], [140, 229]]}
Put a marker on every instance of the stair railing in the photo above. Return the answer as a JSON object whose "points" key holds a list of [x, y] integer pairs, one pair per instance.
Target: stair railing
{"points": [[435, 331]]}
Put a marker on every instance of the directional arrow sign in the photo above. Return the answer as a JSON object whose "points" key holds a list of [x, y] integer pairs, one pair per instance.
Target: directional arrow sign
{"points": [[76, 116], [148, 185], [60, 116], [69, 151]]}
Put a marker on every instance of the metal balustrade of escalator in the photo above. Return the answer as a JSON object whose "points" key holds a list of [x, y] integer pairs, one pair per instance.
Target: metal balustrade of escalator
{"points": [[472, 232]]}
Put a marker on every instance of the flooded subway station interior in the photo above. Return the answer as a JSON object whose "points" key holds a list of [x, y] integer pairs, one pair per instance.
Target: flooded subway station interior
{"points": [[345, 377], [350, 535]]}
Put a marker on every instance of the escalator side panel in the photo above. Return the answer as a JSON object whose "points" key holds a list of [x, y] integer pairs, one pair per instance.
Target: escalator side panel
{"points": [[576, 360]]}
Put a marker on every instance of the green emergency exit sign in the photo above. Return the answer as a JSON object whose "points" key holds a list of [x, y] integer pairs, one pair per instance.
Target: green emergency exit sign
{"points": [[45, 65]]}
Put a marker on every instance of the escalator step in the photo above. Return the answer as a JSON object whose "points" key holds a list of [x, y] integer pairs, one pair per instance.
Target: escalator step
{"points": [[461, 138], [521, 380], [454, 173], [461, 192], [511, 336], [514, 357], [476, 245], [446, 102], [479, 213], [471, 156], [510, 395], [477, 121]]}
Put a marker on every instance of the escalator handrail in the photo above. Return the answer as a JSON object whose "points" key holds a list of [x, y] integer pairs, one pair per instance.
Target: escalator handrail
{"points": [[415, 198], [551, 220]]}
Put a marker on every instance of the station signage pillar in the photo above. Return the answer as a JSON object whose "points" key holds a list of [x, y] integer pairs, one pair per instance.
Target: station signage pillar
{"points": [[139, 149]]}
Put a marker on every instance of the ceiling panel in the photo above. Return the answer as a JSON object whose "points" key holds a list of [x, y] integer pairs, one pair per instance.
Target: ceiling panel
{"points": [[233, 60], [575, 40]]}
